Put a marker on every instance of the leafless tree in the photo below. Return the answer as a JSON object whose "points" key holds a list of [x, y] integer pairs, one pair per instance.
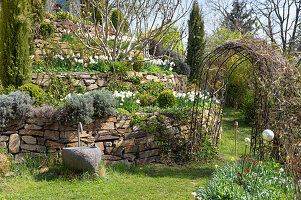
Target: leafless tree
{"points": [[142, 22], [279, 19]]}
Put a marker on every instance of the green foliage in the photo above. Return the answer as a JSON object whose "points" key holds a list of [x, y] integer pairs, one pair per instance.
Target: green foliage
{"points": [[119, 67], [38, 10], [151, 87], [99, 66], [196, 42], [7, 90], [220, 36], [104, 103], [117, 18], [172, 40], [16, 34], [178, 113], [34, 91], [64, 15], [166, 99], [79, 108], [59, 88], [248, 178], [47, 29], [67, 37], [15, 105], [248, 107], [138, 65], [156, 69], [147, 100], [136, 80]]}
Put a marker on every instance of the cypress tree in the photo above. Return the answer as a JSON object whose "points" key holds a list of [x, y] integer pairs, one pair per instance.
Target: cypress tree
{"points": [[196, 42], [16, 35]]}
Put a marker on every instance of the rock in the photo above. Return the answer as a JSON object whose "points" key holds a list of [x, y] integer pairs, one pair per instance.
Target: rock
{"points": [[130, 149], [111, 119], [73, 134], [41, 141], [33, 127], [100, 145], [146, 139], [100, 83], [92, 87], [29, 139], [53, 127], [30, 147], [128, 142], [111, 158], [108, 126], [31, 132], [14, 143], [52, 135], [150, 153], [54, 145], [108, 144], [82, 158]]}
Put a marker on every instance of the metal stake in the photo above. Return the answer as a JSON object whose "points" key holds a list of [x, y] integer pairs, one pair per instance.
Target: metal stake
{"points": [[236, 126]]}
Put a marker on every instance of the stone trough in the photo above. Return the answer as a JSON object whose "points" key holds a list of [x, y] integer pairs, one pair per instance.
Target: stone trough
{"points": [[82, 158]]}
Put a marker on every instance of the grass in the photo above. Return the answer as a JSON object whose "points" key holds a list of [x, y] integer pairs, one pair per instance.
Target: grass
{"points": [[121, 182], [227, 150], [149, 182]]}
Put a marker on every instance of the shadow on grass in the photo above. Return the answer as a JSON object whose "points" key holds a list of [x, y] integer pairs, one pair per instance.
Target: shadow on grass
{"points": [[191, 173], [165, 171]]}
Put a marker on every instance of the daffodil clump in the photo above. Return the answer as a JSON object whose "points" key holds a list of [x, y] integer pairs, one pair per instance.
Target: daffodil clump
{"points": [[248, 178]]}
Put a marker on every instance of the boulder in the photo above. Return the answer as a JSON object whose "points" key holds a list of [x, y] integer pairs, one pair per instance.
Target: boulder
{"points": [[14, 143]]}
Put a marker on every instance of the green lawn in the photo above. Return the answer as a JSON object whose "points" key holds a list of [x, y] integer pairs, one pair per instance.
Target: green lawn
{"points": [[149, 182]]}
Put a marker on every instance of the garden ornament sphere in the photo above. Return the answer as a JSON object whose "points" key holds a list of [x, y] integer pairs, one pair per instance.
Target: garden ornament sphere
{"points": [[247, 141], [268, 135]]}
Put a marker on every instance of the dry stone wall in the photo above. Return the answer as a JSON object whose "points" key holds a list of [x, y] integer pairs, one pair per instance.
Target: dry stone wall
{"points": [[92, 81], [116, 137]]}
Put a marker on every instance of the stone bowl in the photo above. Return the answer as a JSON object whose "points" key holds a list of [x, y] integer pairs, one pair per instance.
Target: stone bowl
{"points": [[82, 158]]}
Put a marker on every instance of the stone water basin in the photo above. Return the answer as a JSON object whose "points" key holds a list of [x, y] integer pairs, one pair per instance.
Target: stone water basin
{"points": [[82, 158]]}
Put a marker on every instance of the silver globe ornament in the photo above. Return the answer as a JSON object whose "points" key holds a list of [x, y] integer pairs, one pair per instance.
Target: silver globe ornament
{"points": [[268, 135]]}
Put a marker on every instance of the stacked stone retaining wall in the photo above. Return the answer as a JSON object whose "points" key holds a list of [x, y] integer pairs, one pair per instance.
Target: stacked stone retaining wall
{"points": [[92, 81], [116, 137]]}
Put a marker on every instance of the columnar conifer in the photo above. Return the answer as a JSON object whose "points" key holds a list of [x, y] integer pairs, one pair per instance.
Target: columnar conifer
{"points": [[16, 35]]}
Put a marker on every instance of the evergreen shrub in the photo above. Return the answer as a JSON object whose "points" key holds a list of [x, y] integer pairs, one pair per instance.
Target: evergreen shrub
{"points": [[16, 105], [147, 100], [104, 103], [34, 91], [79, 108], [116, 18], [138, 66], [166, 99], [46, 29]]}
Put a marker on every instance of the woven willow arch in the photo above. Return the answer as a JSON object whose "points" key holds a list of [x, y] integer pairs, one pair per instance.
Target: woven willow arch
{"points": [[277, 94]]}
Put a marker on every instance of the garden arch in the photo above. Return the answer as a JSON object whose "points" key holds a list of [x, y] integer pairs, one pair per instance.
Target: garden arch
{"points": [[277, 92]]}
